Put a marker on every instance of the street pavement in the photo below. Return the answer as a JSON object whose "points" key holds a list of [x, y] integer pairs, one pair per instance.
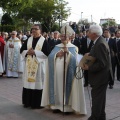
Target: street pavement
{"points": [[11, 107]]}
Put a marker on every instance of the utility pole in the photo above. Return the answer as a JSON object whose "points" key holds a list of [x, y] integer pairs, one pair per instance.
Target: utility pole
{"points": [[108, 23], [91, 19], [60, 13], [81, 17]]}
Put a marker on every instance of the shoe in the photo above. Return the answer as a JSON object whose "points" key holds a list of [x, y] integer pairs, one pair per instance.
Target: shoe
{"points": [[67, 113], [85, 85], [1, 75], [25, 106], [9, 76], [90, 118], [56, 111], [119, 80], [39, 107], [110, 87]]}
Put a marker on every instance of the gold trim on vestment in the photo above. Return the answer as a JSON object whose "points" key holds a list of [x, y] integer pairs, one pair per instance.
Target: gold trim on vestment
{"points": [[31, 61], [31, 80], [14, 40], [32, 67]]}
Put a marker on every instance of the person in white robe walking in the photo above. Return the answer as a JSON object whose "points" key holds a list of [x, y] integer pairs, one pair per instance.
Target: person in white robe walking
{"points": [[34, 52], [74, 97], [13, 57]]}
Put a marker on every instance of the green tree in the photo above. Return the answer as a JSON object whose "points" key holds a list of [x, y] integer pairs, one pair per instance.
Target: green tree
{"points": [[45, 12], [109, 23], [14, 6], [7, 23], [6, 20]]}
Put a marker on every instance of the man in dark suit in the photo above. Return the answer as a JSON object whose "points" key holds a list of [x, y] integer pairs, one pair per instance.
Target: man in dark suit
{"points": [[86, 45], [76, 42], [54, 41], [111, 43], [118, 57], [116, 49], [99, 72]]}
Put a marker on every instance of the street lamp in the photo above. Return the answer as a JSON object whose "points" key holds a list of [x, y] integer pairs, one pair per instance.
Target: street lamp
{"points": [[108, 22], [91, 19], [61, 11], [81, 16]]}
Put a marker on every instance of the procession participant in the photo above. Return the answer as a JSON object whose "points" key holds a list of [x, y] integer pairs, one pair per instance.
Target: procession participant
{"points": [[34, 52], [55, 40], [99, 72], [2, 44], [57, 80], [13, 57]]}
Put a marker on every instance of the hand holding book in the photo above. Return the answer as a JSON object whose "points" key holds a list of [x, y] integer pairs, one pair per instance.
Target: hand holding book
{"points": [[86, 61]]}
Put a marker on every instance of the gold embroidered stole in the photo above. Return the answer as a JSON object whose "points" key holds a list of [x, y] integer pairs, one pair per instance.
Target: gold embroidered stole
{"points": [[31, 61]]}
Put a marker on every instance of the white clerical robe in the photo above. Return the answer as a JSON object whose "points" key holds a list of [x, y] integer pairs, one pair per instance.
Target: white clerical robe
{"points": [[77, 97], [1, 65], [41, 59], [13, 57]]}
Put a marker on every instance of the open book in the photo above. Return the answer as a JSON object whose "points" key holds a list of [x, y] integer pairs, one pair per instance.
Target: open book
{"points": [[86, 59]]}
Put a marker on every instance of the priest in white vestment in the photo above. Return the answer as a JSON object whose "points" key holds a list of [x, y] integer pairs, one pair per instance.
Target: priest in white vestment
{"points": [[13, 57], [34, 52], [74, 97]]}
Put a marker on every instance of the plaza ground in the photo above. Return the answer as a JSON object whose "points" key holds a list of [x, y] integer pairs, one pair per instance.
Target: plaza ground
{"points": [[11, 107]]}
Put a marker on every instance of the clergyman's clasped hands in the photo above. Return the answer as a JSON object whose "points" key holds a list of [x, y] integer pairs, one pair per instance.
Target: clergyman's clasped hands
{"points": [[61, 52], [31, 52]]}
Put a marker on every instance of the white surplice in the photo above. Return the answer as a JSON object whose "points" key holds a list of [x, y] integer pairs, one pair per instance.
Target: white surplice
{"points": [[1, 66], [41, 58], [77, 97]]}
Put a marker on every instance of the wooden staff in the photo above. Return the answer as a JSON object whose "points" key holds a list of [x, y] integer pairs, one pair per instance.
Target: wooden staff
{"points": [[64, 78]]}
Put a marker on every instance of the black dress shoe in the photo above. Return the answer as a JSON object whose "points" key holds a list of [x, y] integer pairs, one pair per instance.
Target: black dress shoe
{"points": [[85, 85], [90, 118], [25, 106], [39, 107], [67, 113], [110, 87], [56, 111], [119, 80], [9, 76]]}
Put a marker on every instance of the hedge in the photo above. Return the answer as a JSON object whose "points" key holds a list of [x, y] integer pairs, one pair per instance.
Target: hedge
{"points": [[7, 28]]}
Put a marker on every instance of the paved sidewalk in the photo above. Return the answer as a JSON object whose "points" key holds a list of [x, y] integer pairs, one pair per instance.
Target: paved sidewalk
{"points": [[11, 107]]}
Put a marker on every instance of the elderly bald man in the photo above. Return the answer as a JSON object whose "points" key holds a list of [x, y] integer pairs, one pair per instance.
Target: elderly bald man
{"points": [[14, 64], [99, 72]]}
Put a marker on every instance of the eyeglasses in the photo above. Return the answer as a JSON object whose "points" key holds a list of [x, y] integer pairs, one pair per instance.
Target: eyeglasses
{"points": [[35, 29], [12, 34]]}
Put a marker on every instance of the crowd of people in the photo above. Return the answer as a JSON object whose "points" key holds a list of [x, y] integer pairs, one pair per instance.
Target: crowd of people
{"points": [[49, 63]]}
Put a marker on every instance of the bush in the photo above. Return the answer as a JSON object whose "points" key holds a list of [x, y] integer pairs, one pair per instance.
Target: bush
{"points": [[7, 28]]}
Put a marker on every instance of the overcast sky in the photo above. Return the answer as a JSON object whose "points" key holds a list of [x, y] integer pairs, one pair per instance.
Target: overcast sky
{"points": [[97, 8]]}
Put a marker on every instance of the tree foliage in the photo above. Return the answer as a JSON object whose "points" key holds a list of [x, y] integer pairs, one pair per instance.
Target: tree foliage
{"points": [[46, 12], [6, 20], [14, 6], [109, 23]]}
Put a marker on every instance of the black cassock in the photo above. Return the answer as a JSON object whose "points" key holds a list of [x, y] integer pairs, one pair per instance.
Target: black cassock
{"points": [[32, 97]]}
